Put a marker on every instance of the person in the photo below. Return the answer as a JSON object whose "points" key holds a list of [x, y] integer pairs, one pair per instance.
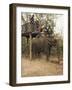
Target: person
{"points": [[32, 23], [48, 30], [32, 19]]}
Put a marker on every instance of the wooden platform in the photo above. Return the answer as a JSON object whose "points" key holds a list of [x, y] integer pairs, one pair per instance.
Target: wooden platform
{"points": [[33, 34]]}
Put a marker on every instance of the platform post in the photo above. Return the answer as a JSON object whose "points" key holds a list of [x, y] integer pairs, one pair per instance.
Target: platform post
{"points": [[30, 46]]}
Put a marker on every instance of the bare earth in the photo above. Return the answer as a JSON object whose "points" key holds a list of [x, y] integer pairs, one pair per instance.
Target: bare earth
{"points": [[41, 67]]}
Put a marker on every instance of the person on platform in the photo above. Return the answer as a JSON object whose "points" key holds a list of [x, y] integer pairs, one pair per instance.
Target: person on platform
{"points": [[32, 22]]}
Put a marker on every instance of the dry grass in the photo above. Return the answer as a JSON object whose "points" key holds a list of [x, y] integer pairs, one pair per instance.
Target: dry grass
{"points": [[41, 67]]}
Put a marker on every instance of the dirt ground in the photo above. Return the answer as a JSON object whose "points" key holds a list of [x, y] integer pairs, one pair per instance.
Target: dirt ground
{"points": [[41, 67]]}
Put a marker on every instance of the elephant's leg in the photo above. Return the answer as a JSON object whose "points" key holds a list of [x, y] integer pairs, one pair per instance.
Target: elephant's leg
{"points": [[58, 53], [39, 55], [47, 57], [47, 52], [34, 54]]}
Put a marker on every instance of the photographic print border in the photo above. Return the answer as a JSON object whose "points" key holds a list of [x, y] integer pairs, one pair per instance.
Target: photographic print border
{"points": [[12, 63]]}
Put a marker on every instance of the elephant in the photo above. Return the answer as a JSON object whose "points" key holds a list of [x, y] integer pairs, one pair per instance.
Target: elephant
{"points": [[40, 45], [44, 44]]}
